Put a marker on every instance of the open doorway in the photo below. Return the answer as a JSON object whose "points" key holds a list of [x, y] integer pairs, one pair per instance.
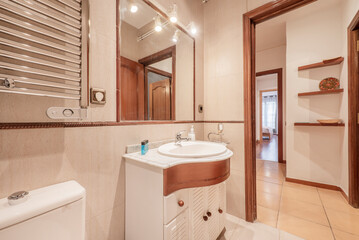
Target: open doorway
{"points": [[269, 115], [318, 135]]}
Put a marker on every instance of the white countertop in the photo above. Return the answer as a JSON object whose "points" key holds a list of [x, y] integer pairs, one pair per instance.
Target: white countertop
{"points": [[154, 158]]}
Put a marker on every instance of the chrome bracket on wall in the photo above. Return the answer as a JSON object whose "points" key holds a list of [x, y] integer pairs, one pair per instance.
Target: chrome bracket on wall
{"points": [[67, 113]]}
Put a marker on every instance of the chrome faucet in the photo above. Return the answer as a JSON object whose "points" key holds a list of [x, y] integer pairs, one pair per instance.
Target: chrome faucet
{"points": [[179, 138]]}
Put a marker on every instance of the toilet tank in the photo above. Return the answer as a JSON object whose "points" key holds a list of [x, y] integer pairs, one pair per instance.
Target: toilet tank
{"points": [[55, 212]]}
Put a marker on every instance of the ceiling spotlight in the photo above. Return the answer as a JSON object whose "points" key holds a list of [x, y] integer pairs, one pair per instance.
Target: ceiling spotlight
{"points": [[175, 36], [133, 6], [173, 14], [158, 24], [192, 28]]}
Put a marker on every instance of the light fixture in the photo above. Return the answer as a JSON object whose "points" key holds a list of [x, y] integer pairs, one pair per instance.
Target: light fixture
{"points": [[175, 36], [173, 14], [192, 28], [133, 6], [158, 24]]}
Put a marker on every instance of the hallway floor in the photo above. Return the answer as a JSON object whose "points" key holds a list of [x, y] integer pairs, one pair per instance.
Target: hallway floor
{"points": [[268, 149], [307, 212]]}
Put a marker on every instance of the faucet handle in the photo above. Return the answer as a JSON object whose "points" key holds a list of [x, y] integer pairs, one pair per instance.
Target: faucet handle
{"points": [[179, 134]]}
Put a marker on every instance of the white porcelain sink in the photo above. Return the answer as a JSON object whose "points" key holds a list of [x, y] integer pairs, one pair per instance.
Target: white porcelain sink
{"points": [[196, 149]]}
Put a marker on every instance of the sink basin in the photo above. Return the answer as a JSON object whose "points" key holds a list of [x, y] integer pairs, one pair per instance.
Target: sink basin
{"points": [[196, 149]]}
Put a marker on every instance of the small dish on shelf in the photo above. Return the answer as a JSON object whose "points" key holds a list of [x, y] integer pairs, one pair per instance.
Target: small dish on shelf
{"points": [[329, 121]]}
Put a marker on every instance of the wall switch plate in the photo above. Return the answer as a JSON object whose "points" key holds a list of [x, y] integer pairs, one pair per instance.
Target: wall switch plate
{"points": [[98, 96], [66, 113]]}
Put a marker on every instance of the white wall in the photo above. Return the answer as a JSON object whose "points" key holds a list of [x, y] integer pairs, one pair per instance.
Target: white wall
{"points": [[33, 158], [223, 87], [314, 153]]}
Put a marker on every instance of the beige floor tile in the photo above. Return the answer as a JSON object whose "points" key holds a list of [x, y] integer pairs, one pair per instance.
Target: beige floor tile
{"points": [[343, 221], [299, 186], [287, 236], [335, 200], [268, 200], [268, 187], [301, 195], [271, 180], [305, 229], [267, 216], [340, 235], [270, 173], [308, 211]]}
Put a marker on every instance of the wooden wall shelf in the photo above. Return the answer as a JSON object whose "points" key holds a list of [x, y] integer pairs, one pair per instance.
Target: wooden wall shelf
{"points": [[325, 63], [321, 92], [308, 124]]}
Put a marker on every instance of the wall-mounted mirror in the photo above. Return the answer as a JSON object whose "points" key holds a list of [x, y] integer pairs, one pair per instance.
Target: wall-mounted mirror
{"points": [[156, 66]]}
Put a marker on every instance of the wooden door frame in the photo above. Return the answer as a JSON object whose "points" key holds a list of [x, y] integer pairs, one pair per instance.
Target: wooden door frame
{"points": [[353, 106], [250, 19], [157, 57], [279, 72]]}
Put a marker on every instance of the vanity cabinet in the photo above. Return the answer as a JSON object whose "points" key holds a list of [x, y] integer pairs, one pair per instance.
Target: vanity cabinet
{"points": [[188, 213]]}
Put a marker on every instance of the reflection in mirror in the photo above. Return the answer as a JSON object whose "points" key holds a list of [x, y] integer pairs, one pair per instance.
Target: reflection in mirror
{"points": [[157, 66]]}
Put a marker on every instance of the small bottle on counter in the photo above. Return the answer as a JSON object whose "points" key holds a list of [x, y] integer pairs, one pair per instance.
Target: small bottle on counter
{"points": [[144, 147], [192, 134]]}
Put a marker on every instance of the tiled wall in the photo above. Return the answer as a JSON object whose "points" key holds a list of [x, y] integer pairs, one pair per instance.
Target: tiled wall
{"points": [[35, 158], [223, 87], [92, 156]]}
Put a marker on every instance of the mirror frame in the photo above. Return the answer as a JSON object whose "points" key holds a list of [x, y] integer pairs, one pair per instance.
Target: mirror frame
{"points": [[118, 68]]}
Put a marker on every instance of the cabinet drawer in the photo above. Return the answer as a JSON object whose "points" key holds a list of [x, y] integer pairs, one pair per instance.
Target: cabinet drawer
{"points": [[178, 228], [174, 204]]}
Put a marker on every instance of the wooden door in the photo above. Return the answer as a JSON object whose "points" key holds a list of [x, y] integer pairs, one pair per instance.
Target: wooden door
{"points": [[132, 90], [160, 100]]}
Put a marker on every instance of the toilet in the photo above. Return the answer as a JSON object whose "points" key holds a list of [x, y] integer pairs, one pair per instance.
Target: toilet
{"points": [[55, 212]]}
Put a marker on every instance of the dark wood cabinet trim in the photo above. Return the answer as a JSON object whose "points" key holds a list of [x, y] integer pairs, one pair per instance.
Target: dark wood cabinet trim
{"points": [[194, 175]]}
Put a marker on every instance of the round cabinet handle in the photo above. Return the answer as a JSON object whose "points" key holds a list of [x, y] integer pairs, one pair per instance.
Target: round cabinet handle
{"points": [[180, 203], [205, 218], [209, 214], [220, 211]]}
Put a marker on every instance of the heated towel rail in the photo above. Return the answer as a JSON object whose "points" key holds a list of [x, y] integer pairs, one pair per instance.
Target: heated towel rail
{"points": [[44, 48]]}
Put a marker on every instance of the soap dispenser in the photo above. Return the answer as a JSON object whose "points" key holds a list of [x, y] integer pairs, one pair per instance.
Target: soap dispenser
{"points": [[191, 134]]}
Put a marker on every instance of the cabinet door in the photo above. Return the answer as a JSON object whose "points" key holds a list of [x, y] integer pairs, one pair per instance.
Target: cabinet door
{"points": [[222, 206], [212, 211], [197, 206], [178, 228]]}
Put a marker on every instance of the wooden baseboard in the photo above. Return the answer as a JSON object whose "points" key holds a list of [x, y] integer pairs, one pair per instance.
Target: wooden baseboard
{"points": [[319, 185], [284, 161], [314, 184]]}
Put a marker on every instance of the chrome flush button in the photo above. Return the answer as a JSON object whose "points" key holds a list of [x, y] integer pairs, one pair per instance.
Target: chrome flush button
{"points": [[18, 197], [68, 112]]}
